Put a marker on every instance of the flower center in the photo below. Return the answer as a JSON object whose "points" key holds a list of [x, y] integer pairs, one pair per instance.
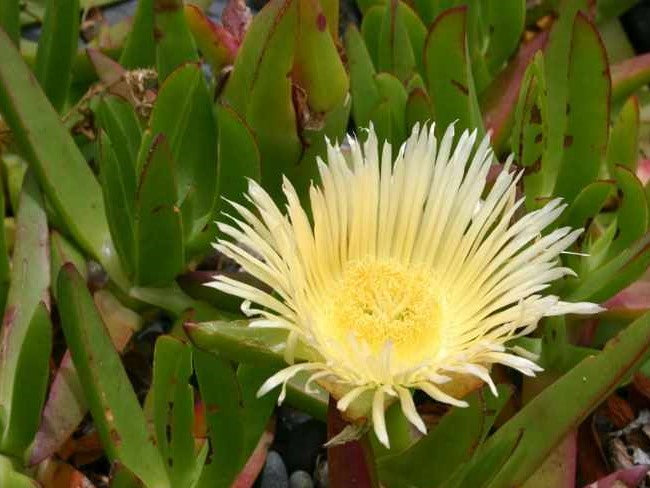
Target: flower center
{"points": [[384, 301]]}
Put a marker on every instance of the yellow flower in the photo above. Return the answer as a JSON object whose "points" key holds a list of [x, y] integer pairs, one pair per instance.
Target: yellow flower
{"points": [[406, 277]]}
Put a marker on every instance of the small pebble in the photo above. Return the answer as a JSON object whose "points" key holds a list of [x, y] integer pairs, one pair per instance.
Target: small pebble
{"points": [[300, 479], [274, 474]]}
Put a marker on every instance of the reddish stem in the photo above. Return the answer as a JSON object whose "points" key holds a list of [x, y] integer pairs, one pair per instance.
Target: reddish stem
{"points": [[351, 465]]}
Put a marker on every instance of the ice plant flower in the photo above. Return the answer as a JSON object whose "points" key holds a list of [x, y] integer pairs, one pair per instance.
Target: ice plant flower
{"points": [[405, 276]]}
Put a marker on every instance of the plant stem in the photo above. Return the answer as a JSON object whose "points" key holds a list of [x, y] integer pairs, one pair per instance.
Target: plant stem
{"points": [[351, 465]]}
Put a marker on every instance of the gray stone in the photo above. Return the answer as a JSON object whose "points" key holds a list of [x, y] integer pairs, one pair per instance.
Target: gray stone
{"points": [[300, 479], [274, 474]]}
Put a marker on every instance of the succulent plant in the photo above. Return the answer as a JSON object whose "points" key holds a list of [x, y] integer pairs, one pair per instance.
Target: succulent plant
{"points": [[118, 158]]}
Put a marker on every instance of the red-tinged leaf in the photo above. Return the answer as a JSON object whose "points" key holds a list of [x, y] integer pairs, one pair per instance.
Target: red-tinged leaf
{"points": [[26, 318], [547, 419], [247, 476], [633, 300], [629, 75], [217, 44], [500, 98], [631, 477], [351, 465], [114, 406]]}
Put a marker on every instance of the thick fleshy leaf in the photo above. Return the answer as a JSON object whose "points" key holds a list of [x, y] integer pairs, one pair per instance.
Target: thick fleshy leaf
{"points": [[62, 171], [395, 54], [183, 113], [139, 48], [159, 250], [629, 75], [632, 215], [418, 108], [63, 251], [322, 76], [546, 420], [118, 180], [57, 46], [585, 140], [260, 91], [66, 405], [394, 94], [174, 43], [239, 158], [530, 131], [623, 147], [217, 44], [588, 204], [499, 101], [116, 412], [239, 342], [11, 478], [236, 418], [365, 93], [559, 468], [173, 411], [5, 271], [26, 331], [121, 124], [10, 19], [249, 473], [556, 69], [449, 73], [433, 460], [504, 23]]}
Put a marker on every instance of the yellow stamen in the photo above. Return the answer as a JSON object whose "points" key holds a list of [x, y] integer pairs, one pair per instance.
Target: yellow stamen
{"points": [[382, 301]]}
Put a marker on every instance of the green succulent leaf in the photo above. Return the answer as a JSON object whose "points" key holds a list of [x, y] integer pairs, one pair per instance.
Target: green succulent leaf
{"points": [[260, 91], [5, 271], [395, 54], [62, 171], [183, 113], [322, 76], [174, 42], [57, 47], [449, 72], [10, 478], [159, 245], [632, 215], [364, 91], [116, 412], [173, 411], [546, 420], [27, 334], [235, 416], [432, 460], [118, 180], [10, 19], [504, 21], [139, 47], [587, 111], [623, 148], [530, 130]]}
